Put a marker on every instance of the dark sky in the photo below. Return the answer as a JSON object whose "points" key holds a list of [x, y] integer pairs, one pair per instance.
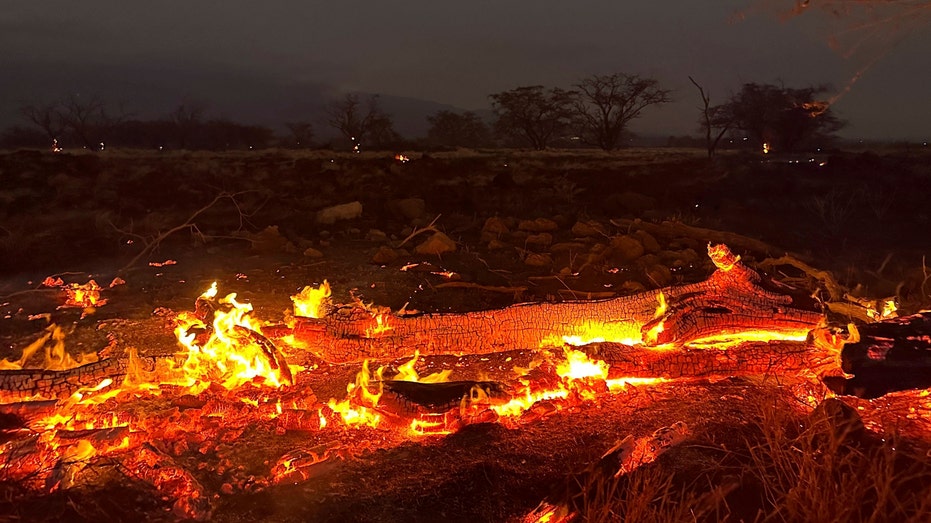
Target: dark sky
{"points": [[255, 60]]}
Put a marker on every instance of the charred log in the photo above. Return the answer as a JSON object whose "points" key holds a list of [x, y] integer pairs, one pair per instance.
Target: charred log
{"points": [[439, 397], [747, 358], [729, 302], [890, 355], [39, 383]]}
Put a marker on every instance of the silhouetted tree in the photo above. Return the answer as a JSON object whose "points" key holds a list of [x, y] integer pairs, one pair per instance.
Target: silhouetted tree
{"points": [[88, 119], [360, 121], [533, 114], [715, 120], [784, 118], [301, 134], [47, 117], [186, 119], [451, 129], [607, 103]]}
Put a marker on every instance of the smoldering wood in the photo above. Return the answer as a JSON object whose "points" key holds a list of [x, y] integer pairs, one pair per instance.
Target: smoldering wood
{"points": [[729, 302]]}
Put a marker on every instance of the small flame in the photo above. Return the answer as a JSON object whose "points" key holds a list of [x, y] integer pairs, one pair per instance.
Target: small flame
{"points": [[312, 302]]}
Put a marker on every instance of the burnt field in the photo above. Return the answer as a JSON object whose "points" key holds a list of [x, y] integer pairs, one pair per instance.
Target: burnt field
{"points": [[728, 371]]}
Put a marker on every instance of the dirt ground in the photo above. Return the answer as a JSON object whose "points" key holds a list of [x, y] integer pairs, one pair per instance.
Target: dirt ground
{"points": [[519, 227]]}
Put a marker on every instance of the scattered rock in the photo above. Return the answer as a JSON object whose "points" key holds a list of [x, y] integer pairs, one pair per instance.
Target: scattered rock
{"points": [[568, 247], [658, 275], [495, 225], [377, 236], [493, 229], [632, 287], [538, 225], [841, 420], [344, 211], [384, 255], [626, 248], [497, 245], [588, 229], [538, 260], [436, 244], [542, 239], [650, 244], [268, 240], [310, 252]]}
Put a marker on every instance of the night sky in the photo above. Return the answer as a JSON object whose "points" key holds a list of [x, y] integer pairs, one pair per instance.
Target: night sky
{"points": [[268, 62]]}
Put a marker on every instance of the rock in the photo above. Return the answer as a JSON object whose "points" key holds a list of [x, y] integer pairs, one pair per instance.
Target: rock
{"points": [[658, 275], [589, 229], [344, 211], [436, 244], [377, 236], [494, 229], [538, 225], [384, 255], [650, 244], [632, 287], [495, 225], [568, 247], [268, 240], [410, 208], [840, 419], [538, 260], [626, 248], [542, 239], [310, 252], [497, 245]]}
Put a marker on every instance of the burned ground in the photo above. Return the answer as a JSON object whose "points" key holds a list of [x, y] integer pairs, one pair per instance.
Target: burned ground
{"points": [[526, 227]]}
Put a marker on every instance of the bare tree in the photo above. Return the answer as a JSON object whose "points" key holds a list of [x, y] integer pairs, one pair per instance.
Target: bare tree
{"points": [[532, 114], [782, 118], [88, 119], [359, 121], [715, 122], [47, 117], [185, 119], [607, 103], [302, 134], [449, 128]]}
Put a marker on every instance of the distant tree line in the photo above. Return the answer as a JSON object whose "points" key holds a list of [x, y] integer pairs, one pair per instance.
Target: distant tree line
{"points": [[595, 112]]}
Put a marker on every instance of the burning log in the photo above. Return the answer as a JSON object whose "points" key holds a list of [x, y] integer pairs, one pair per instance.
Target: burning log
{"points": [[891, 355], [22, 384], [754, 357], [438, 397], [730, 302]]}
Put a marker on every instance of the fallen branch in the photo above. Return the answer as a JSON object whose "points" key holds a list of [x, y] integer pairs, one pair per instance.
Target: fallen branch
{"points": [[189, 224]]}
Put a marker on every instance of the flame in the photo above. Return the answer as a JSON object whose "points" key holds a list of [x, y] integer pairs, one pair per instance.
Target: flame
{"points": [[401, 158], [312, 302], [578, 365], [766, 148], [722, 257], [358, 407], [381, 326], [56, 357], [233, 353]]}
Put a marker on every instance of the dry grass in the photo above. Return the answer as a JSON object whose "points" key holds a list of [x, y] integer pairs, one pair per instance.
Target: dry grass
{"points": [[779, 467]]}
